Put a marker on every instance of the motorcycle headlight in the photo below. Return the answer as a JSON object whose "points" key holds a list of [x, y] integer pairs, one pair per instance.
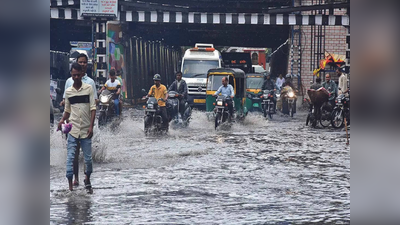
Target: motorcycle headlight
{"points": [[219, 103], [150, 106], [291, 94], [104, 99]]}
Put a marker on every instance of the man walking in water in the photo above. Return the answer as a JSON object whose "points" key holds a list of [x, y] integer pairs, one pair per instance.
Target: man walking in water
{"points": [[80, 109], [82, 60]]}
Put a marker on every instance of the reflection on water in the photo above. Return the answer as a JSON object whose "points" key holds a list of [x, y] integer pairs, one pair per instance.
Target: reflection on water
{"points": [[257, 172]]}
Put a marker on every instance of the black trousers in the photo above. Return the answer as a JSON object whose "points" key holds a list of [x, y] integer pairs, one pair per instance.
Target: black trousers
{"points": [[164, 115], [230, 106], [182, 103]]}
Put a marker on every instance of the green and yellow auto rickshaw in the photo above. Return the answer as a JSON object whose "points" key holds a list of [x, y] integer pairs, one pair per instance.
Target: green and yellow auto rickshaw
{"points": [[254, 83], [214, 106]]}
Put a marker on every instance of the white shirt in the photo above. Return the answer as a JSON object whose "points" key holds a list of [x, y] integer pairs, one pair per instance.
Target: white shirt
{"points": [[178, 84], [112, 86], [342, 83], [279, 82]]}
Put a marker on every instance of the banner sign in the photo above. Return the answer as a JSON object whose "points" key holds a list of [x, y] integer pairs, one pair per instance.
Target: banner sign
{"points": [[99, 8]]}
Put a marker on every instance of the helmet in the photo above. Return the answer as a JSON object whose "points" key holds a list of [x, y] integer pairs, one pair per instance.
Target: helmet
{"points": [[288, 76], [157, 77]]}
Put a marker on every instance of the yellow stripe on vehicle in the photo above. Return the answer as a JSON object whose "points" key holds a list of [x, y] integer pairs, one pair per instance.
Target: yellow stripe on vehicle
{"points": [[255, 91]]}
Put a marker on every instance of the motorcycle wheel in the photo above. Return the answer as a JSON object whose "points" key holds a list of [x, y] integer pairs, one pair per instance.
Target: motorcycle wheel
{"points": [[147, 125], [269, 113], [291, 110], [308, 119], [337, 119], [102, 118], [327, 121], [265, 111], [217, 120]]}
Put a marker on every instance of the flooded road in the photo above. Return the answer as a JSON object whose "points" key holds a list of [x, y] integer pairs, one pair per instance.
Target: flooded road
{"points": [[259, 172]]}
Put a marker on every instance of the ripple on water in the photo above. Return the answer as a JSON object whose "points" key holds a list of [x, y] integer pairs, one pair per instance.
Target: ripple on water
{"points": [[259, 171]]}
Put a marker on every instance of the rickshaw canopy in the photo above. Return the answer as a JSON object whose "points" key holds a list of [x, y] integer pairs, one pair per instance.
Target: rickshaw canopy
{"points": [[236, 79]]}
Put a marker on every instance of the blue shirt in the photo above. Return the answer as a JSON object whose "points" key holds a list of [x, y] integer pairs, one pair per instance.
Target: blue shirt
{"points": [[86, 80], [226, 91]]}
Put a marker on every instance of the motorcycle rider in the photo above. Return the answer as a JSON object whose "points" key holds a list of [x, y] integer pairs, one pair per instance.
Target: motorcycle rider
{"points": [[288, 82], [158, 91], [180, 86], [270, 85], [226, 90], [330, 86], [114, 86]]}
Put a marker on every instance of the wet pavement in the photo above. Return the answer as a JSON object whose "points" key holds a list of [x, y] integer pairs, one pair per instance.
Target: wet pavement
{"points": [[258, 172]]}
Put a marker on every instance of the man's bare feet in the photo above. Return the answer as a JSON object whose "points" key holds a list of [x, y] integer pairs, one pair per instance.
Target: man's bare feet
{"points": [[76, 182], [70, 185]]}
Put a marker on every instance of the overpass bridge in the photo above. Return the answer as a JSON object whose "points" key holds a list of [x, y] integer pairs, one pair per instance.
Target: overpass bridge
{"points": [[149, 33]]}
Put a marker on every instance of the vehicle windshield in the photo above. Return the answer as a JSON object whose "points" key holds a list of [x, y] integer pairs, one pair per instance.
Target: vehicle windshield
{"points": [[193, 68], [214, 82], [259, 69], [255, 82], [74, 52]]}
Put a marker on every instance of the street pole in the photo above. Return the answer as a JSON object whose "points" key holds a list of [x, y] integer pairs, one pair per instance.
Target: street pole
{"points": [[93, 54]]}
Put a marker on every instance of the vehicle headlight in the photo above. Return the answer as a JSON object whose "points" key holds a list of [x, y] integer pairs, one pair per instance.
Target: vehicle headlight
{"points": [[104, 99], [150, 106], [219, 103], [249, 95], [291, 94]]}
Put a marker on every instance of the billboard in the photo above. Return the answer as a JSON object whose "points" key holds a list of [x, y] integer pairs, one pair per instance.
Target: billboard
{"points": [[99, 8]]}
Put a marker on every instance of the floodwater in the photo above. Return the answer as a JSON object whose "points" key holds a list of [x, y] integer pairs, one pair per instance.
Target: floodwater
{"points": [[258, 172]]}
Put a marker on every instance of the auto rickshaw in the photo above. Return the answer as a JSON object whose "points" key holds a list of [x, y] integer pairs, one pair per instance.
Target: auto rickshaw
{"points": [[254, 83], [238, 82]]}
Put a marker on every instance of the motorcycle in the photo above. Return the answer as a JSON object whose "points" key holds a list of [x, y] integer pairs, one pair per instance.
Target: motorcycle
{"points": [[341, 111], [290, 98], [221, 110], [106, 105], [153, 122], [267, 104], [173, 110]]}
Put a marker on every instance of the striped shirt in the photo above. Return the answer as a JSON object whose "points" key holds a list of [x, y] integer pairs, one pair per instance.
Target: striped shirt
{"points": [[85, 79], [80, 103]]}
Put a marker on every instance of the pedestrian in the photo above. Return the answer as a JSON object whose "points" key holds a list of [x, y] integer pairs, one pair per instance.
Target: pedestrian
{"points": [[80, 110], [342, 82], [330, 86], [82, 60]]}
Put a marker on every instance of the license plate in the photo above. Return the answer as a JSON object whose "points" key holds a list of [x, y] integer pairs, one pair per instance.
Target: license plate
{"points": [[255, 105], [199, 101]]}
